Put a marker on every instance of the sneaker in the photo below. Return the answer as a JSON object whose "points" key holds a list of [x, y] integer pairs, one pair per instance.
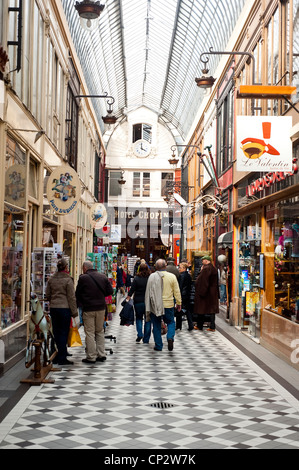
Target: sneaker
{"points": [[88, 361], [139, 338], [170, 344], [101, 359], [210, 329], [156, 349]]}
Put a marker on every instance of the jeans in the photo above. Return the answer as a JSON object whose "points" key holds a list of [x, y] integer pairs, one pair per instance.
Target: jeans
{"points": [[170, 322], [61, 320], [222, 293], [140, 318]]}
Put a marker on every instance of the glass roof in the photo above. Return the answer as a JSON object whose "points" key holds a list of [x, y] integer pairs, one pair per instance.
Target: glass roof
{"points": [[146, 53]]}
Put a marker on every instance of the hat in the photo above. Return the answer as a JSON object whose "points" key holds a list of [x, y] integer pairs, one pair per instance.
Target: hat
{"points": [[207, 258]]}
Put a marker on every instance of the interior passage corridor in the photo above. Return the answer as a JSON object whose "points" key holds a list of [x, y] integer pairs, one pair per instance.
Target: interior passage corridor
{"points": [[204, 394]]}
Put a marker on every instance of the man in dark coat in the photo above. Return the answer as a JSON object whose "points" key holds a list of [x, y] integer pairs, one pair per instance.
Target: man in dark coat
{"points": [[206, 301], [92, 288], [171, 267]]}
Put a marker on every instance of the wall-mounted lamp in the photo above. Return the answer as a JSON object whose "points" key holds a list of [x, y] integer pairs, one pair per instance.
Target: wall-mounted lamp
{"points": [[109, 119], [208, 82], [122, 180], [255, 90], [38, 133], [89, 12], [173, 160]]}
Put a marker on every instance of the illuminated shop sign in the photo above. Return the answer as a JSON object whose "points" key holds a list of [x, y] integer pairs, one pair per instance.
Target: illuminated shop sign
{"points": [[269, 179]]}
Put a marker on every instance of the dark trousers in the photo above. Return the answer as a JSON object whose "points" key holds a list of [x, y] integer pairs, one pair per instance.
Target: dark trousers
{"points": [[61, 320], [178, 318], [206, 318]]}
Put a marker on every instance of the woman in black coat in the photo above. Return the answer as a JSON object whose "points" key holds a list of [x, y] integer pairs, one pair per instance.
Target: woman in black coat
{"points": [[185, 283], [137, 290]]}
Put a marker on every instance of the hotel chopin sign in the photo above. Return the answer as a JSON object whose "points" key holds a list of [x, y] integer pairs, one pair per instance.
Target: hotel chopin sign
{"points": [[264, 143], [63, 190]]}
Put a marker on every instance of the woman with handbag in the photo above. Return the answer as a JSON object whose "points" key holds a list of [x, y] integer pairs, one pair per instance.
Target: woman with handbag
{"points": [[137, 290], [60, 292]]}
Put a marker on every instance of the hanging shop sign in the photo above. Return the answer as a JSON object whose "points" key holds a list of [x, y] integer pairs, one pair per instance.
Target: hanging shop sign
{"points": [[98, 215], [264, 143], [63, 190]]}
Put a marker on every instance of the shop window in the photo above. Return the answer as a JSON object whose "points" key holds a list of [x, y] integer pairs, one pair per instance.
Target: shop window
{"points": [[15, 175], [283, 230], [250, 235], [12, 269]]}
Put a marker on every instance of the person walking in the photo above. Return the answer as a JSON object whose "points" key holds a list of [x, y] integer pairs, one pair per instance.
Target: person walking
{"points": [[60, 292], [137, 290], [171, 267], [119, 279], [161, 290], [92, 288], [185, 283], [222, 284], [206, 300]]}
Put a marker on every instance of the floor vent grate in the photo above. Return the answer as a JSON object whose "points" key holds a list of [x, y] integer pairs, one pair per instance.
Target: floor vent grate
{"points": [[162, 405]]}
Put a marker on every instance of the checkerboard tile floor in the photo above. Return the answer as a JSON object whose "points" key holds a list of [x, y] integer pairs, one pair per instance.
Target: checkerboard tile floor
{"points": [[214, 398]]}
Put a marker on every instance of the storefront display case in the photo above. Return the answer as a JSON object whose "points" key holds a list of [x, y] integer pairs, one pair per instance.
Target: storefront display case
{"points": [[103, 260], [250, 279], [283, 232], [44, 263], [12, 269]]}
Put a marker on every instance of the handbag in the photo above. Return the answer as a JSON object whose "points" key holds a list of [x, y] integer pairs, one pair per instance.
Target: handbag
{"points": [[163, 328], [74, 339]]}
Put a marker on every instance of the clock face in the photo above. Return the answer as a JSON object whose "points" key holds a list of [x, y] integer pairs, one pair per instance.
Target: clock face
{"points": [[141, 148]]}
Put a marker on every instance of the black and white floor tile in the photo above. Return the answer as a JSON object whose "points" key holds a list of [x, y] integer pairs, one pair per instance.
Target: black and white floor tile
{"points": [[205, 394]]}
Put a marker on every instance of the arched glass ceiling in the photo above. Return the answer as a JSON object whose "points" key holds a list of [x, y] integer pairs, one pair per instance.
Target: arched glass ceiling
{"points": [[146, 53]]}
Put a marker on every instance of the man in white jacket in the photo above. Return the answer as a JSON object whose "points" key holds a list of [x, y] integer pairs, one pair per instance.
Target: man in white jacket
{"points": [[162, 292]]}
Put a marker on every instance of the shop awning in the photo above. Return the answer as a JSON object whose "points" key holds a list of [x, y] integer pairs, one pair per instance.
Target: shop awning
{"points": [[226, 239]]}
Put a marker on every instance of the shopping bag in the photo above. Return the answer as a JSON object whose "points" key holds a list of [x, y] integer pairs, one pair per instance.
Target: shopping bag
{"points": [[74, 339]]}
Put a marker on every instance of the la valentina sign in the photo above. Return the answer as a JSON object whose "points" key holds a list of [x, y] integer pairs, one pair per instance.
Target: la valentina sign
{"points": [[264, 143], [270, 178], [63, 190]]}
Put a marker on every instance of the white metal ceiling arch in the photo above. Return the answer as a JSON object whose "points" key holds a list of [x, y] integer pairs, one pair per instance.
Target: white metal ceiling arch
{"points": [[147, 53]]}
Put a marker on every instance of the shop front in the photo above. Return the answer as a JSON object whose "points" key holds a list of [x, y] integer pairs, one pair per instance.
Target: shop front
{"points": [[266, 282], [17, 219], [148, 233]]}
